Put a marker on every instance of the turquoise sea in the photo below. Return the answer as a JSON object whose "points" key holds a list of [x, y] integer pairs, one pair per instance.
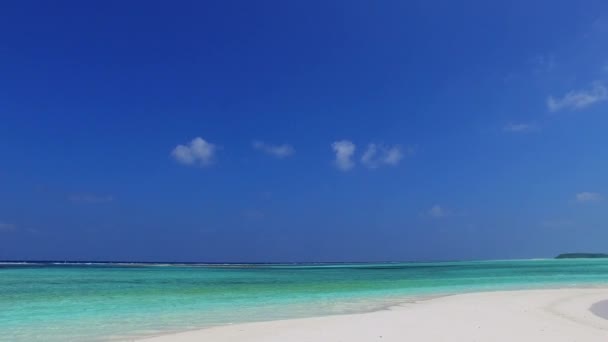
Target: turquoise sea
{"points": [[98, 302]]}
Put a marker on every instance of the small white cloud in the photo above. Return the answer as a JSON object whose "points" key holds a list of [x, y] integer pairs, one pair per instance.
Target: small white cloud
{"points": [[376, 155], [90, 198], [519, 127], [344, 150], [579, 99], [438, 212], [369, 155], [279, 151], [586, 197], [7, 227], [393, 156], [198, 151]]}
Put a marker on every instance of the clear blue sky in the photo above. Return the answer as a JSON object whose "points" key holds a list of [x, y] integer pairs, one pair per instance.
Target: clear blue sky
{"points": [[302, 130]]}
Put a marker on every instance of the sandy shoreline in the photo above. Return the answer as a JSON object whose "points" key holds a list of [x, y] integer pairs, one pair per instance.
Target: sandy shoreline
{"points": [[527, 315]]}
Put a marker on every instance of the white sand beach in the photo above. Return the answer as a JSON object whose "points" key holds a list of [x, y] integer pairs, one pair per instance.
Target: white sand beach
{"points": [[527, 315]]}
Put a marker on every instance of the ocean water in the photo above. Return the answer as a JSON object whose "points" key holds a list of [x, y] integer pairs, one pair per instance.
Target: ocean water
{"points": [[101, 302]]}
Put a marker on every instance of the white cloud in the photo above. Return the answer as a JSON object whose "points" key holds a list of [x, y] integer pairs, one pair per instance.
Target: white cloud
{"points": [[198, 151], [7, 227], [376, 155], [438, 212], [279, 151], [90, 198], [585, 197], [368, 157], [579, 99], [519, 127], [393, 156], [344, 150]]}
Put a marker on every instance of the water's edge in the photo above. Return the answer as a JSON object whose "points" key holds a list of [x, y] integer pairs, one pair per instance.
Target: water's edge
{"points": [[58, 303], [600, 309]]}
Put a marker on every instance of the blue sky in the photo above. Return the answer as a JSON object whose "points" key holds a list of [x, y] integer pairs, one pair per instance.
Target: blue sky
{"points": [[302, 131]]}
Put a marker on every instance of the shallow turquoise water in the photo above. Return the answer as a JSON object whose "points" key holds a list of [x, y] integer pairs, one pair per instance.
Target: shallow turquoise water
{"points": [[104, 302]]}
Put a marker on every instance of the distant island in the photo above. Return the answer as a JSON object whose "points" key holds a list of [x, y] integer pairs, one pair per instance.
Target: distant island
{"points": [[582, 256]]}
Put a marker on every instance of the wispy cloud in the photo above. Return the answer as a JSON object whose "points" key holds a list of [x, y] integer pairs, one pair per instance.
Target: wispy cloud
{"points": [[579, 99], [377, 155], [90, 198], [279, 151], [438, 211], [7, 227], [519, 127], [253, 214], [543, 63], [344, 150], [197, 152], [587, 197]]}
